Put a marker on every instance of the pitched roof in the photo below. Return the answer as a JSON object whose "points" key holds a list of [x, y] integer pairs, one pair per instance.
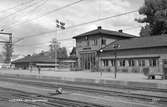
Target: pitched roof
{"points": [[99, 30], [142, 42], [40, 58], [36, 58]]}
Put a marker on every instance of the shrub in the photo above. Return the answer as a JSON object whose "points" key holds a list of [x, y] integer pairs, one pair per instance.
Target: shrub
{"points": [[108, 69], [75, 69], [124, 70], [135, 70], [146, 71]]}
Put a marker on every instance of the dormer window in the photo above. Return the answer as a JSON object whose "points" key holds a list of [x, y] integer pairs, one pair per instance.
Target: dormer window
{"points": [[86, 37], [103, 42]]}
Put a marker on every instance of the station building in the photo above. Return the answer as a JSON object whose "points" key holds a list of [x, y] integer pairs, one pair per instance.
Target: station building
{"points": [[88, 44], [44, 61], [135, 54]]}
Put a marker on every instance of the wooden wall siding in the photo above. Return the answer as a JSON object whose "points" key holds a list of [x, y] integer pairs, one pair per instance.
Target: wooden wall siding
{"points": [[136, 52], [158, 53]]}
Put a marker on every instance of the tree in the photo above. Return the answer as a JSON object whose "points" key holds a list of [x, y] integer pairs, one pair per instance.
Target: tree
{"points": [[7, 53], [61, 52], [155, 12], [145, 31], [54, 46]]}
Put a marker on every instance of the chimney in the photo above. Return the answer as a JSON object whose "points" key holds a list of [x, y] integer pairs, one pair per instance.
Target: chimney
{"points": [[120, 30], [28, 55], [99, 27]]}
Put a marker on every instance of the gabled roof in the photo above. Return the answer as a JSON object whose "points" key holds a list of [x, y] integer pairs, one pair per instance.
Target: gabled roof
{"points": [[142, 42], [99, 30], [36, 58], [40, 58]]}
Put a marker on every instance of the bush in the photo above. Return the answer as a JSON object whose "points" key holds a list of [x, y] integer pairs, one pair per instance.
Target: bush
{"points": [[108, 69], [146, 71], [76, 69], [135, 70], [124, 70], [94, 69]]}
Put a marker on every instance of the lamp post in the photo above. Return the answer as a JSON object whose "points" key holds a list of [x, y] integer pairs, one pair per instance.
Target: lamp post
{"points": [[115, 46], [100, 63]]}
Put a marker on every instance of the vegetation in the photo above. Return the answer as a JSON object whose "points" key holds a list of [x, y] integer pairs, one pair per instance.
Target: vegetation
{"points": [[146, 71], [7, 53], [155, 12], [56, 49]]}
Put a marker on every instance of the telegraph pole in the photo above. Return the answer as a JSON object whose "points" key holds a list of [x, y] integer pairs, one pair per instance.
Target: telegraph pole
{"points": [[59, 25], [8, 42]]}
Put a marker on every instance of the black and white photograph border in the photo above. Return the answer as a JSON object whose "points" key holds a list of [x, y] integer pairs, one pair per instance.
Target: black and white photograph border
{"points": [[83, 53]]}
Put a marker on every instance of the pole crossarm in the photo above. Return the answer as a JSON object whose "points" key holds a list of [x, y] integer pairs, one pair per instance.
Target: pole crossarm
{"points": [[10, 37], [4, 42], [5, 33], [9, 43]]}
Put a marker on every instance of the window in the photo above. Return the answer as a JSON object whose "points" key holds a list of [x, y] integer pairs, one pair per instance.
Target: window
{"points": [[112, 62], [95, 42], [141, 62], [153, 62], [103, 42], [105, 62], [164, 61], [122, 63], [131, 62], [88, 43]]}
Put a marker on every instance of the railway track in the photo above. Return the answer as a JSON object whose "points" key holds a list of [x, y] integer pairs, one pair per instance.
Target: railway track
{"points": [[39, 100], [119, 93], [112, 85]]}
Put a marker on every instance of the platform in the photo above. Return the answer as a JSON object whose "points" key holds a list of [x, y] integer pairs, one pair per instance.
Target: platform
{"points": [[136, 79]]}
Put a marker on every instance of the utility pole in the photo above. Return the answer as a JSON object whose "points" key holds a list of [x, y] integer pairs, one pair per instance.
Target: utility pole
{"points": [[59, 25], [8, 42], [115, 46]]}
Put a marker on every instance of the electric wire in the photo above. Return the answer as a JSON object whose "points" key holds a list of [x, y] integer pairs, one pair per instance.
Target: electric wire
{"points": [[47, 13], [20, 10], [77, 25], [16, 6], [33, 9], [67, 39]]}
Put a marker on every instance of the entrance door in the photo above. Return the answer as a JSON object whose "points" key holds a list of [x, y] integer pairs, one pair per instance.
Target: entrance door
{"points": [[88, 60]]}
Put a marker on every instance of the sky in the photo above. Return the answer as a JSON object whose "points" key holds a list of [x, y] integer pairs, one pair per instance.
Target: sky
{"points": [[33, 22]]}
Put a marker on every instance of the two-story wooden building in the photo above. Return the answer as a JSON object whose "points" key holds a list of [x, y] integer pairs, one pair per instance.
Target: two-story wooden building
{"points": [[87, 45]]}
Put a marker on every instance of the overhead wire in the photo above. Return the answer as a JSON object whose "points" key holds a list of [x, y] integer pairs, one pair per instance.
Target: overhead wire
{"points": [[81, 24], [42, 43], [77, 25], [16, 6], [65, 39], [16, 11], [41, 3], [47, 13], [31, 4]]}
